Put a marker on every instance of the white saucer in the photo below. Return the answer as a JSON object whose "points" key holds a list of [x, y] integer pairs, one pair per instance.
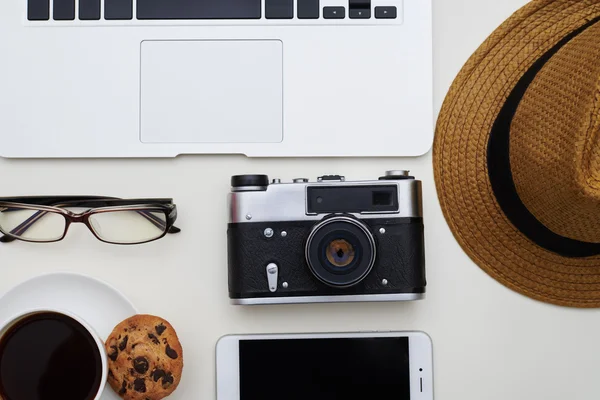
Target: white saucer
{"points": [[95, 301]]}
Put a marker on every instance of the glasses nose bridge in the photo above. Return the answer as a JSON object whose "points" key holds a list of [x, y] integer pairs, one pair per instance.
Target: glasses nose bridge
{"points": [[77, 218]]}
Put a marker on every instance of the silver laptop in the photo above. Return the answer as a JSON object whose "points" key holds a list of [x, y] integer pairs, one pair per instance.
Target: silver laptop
{"points": [[159, 78]]}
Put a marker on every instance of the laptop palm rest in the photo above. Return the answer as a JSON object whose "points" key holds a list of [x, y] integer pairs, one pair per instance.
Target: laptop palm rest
{"points": [[218, 91]]}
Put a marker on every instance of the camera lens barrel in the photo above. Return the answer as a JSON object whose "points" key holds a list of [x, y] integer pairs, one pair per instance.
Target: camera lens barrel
{"points": [[340, 251]]}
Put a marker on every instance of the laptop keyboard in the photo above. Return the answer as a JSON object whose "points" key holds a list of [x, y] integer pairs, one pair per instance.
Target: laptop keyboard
{"points": [[115, 10]]}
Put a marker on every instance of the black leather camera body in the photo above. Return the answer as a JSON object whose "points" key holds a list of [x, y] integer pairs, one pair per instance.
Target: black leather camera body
{"points": [[325, 241]]}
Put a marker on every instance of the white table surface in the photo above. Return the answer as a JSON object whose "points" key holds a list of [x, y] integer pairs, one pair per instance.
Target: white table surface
{"points": [[489, 342]]}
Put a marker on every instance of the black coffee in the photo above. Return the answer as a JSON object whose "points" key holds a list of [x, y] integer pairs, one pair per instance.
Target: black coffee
{"points": [[49, 356]]}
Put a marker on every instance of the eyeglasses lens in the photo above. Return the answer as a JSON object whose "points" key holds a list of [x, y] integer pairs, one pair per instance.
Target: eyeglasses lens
{"points": [[32, 224], [128, 227]]}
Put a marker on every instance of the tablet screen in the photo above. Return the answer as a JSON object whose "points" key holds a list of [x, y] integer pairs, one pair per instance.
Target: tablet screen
{"points": [[325, 369]]}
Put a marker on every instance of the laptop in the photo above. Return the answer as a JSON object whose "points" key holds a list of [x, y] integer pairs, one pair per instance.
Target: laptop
{"points": [[264, 78]]}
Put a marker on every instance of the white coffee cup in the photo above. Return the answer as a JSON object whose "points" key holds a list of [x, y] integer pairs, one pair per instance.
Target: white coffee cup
{"points": [[11, 322]]}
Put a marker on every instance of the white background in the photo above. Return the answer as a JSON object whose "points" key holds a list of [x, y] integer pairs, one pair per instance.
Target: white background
{"points": [[489, 342]]}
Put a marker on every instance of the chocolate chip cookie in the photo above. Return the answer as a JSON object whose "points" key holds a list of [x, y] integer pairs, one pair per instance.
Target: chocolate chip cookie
{"points": [[145, 358]]}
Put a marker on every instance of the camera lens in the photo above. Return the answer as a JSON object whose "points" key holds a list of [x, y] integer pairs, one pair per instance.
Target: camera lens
{"points": [[340, 251]]}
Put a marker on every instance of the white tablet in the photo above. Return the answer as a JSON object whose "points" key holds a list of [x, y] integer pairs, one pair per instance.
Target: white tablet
{"points": [[366, 365]]}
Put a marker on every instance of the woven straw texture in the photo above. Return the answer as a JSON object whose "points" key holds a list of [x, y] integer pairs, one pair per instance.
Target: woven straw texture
{"points": [[555, 154]]}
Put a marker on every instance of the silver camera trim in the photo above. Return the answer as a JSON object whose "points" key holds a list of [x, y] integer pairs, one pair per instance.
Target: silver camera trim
{"points": [[288, 201], [354, 222], [394, 297]]}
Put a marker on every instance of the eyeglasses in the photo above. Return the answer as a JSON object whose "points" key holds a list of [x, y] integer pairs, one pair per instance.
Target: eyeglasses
{"points": [[111, 220]]}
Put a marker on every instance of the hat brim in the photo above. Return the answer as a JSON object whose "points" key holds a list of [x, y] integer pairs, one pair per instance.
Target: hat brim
{"points": [[460, 158]]}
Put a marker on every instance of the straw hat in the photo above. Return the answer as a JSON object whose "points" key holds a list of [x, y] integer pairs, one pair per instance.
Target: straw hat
{"points": [[517, 153]]}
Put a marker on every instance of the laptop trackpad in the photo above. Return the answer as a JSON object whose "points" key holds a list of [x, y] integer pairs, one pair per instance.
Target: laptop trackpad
{"points": [[221, 91]]}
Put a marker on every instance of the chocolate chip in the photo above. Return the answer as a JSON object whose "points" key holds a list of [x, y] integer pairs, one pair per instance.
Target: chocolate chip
{"points": [[160, 329], [123, 343], [157, 374], [114, 353], [171, 353], [123, 388], [110, 373], [153, 337], [167, 380], [141, 365], [165, 341], [139, 385]]}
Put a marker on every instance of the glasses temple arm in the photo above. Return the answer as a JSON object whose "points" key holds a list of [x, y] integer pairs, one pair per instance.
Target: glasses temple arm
{"points": [[159, 223]]}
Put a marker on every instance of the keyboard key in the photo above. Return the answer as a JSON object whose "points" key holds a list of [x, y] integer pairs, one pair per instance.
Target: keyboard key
{"points": [[118, 9], [334, 12], [386, 12], [359, 13], [308, 9], [362, 4], [279, 9], [198, 9], [64, 10], [360, 9], [38, 10], [89, 10]]}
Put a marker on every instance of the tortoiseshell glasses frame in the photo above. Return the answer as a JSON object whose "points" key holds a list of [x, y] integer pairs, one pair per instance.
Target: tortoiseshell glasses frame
{"points": [[155, 215]]}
